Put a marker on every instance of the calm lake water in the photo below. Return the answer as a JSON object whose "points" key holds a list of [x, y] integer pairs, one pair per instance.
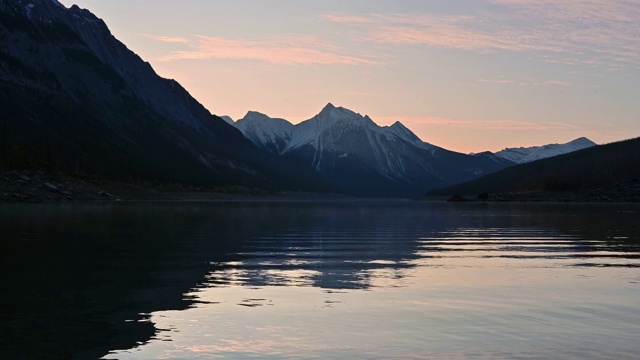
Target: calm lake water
{"points": [[320, 280]]}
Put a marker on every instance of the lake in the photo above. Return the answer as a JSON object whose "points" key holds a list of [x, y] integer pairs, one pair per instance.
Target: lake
{"points": [[320, 280]]}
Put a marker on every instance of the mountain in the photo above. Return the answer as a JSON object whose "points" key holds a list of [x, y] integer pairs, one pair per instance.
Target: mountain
{"points": [[227, 119], [75, 98], [589, 171], [271, 134], [524, 155], [363, 158]]}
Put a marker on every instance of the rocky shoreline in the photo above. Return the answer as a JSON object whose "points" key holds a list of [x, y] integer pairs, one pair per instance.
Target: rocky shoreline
{"points": [[40, 186]]}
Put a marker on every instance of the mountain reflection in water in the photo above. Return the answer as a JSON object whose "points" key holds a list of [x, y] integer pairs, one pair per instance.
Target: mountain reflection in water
{"points": [[205, 280]]}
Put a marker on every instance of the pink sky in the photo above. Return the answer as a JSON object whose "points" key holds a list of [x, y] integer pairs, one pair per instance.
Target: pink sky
{"points": [[469, 76]]}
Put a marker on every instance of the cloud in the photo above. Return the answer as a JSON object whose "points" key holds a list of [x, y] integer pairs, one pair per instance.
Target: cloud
{"points": [[169, 39], [455, 35], [571, 32], [280, 50], [557, 82], [497, 81], [526, 82], [349, 19]]}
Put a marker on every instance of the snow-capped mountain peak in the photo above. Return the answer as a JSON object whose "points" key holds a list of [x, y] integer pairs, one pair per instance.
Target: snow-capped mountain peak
{"points": [[582, 142], [352, 150], [323, 131], [271, 133], [319, 130], [332, 113], [399, 130], [402, 131], [255, 116], [523, 155], [328, 108]]}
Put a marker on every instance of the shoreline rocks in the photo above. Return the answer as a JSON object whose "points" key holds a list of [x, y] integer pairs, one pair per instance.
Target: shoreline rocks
{"points": [[36, 186]]}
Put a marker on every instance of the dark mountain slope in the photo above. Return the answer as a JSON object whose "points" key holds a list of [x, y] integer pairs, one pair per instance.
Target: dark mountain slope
{"points": [[585, 170], [75, 98]]}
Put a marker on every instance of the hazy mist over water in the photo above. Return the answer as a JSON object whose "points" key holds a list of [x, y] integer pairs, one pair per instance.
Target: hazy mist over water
{"points": [[339, 279]]}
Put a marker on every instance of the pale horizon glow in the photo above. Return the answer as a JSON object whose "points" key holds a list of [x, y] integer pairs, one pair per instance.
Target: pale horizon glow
{"points": [[468, 76]]}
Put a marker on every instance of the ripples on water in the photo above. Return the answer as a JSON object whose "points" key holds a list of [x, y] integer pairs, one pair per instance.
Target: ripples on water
{"points": [[380, 290], [368, 280]]}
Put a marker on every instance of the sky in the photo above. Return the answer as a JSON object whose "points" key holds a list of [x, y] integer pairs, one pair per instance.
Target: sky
{"points": [[466, 75]]}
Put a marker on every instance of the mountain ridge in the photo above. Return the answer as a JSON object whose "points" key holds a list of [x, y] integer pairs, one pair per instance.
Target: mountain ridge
{"points": [[585, 172], [271, 133], [523, 155], [77, 99], [366, 159]]}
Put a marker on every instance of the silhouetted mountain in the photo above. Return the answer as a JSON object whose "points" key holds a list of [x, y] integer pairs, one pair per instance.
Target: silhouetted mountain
{"points": [[364, 158], [587, 170], [228, 119], [75, 98]]}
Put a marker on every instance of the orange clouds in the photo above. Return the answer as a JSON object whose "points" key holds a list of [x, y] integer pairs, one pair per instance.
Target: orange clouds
{"points": [[585, 32], [280, 50], [168, 39]]}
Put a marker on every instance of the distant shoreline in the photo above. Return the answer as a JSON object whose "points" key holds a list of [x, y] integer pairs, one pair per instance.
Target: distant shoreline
{"points": [[624, 192], [39, 186]]}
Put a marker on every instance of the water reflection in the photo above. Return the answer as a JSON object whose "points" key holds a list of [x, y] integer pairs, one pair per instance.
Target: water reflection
{"points": [[411, 282], [367, 259], [332, 260], [528, 244], [302, 279], [490, 293]]}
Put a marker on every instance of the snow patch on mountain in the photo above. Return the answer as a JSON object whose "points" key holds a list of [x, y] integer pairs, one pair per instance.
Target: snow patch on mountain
{"points": [[337, 133], [523, 155], [28, 8], [320, 131], [271, 133]]}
